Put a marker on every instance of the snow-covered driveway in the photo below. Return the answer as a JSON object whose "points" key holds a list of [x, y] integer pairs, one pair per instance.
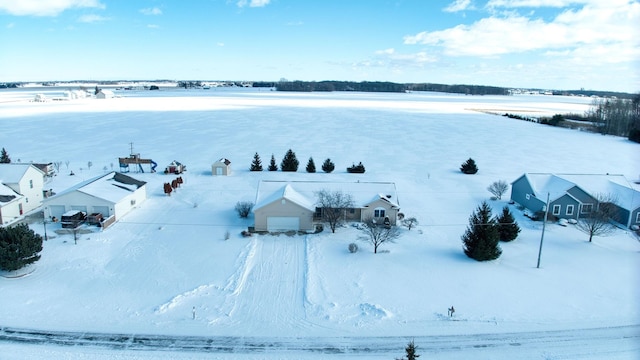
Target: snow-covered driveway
{"points": [[270, 287]]}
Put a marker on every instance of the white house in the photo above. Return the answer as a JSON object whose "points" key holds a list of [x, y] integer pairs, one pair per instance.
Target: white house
{"points": [[292, 205], [221, 167], [112, 194], [21, 190]]}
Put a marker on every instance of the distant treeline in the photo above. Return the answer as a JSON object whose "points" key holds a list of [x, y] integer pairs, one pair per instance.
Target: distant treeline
{"points": [[380, 86], [597, 93]]}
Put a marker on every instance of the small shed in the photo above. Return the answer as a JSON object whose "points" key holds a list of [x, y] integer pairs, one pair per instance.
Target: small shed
{"points": [[105, 94], [221, 167]]}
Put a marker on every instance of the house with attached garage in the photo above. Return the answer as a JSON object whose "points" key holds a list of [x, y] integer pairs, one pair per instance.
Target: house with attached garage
{"points": [[111, 195], [291, 205], [21, 190], [572, 196]]}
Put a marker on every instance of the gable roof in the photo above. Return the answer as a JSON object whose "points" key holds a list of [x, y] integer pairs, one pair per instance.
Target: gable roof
{"points": [[7, 194], [111, 186], [285, 192], [543, 184], [363, 193], [625, 194], [223, 161], [13, 173]]}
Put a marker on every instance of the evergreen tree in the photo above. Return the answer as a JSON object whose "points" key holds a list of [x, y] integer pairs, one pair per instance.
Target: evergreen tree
{"points": [[311, 166], [328, 166], [289, 162], [508, 228], [272, 164], [4, 157], [481, 237], [19, 246], [411, 351], [256, 165], [469, 167]]}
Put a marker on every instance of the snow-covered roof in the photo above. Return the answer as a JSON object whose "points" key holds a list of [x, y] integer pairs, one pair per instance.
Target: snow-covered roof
{"points": [[622, 191], [112, 187], [543, 184], [304, 192], [223, 161], [13, 173], [626, 194], [7, 194]]}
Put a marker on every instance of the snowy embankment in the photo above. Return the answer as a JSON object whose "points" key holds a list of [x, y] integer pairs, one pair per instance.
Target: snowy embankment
{"points": [[147, 273]]}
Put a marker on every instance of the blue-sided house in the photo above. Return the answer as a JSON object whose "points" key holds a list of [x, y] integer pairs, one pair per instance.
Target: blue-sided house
{"points": [[573, 196]]}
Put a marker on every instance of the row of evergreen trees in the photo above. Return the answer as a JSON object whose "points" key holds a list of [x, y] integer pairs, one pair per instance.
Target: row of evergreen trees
{"points": [[482, 237], [290, 163]]}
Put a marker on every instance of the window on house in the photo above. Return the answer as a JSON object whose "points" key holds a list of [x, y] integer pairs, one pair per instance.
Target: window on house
{"points": [[638, 217], [556, 209], [318, 213], [569, 209], [30, 184], [378, 213], [352, 211], [587, 208]]}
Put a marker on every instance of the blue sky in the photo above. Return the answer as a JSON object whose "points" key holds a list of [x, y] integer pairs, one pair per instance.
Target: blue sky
{"points": [[551, 44]]}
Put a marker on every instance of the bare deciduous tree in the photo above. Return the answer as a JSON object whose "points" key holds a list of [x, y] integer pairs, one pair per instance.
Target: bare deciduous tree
{"points": [[410, 222], [333, 205], [378, 234], [599, 221], [498, 188]]}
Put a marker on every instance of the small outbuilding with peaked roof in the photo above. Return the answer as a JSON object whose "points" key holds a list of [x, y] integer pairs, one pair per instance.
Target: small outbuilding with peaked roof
{"points": [[221, 167]]}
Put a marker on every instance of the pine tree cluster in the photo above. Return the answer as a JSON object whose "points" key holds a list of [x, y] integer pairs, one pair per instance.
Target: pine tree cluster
{"points": [[482, 237], [290, 163]]}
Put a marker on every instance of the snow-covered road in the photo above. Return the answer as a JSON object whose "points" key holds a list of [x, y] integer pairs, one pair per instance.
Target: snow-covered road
{"points": [[596, 343]]}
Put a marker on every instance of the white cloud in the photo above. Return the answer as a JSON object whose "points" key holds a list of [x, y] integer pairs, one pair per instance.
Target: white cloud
{"points": [[45, 7], [458, 5], [92, 18], [587, 27], [253, 3], [153, 26], [151, 11]]}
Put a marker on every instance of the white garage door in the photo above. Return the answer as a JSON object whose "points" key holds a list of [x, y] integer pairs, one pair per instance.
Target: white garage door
{"points": [[57, 211], [280, 223]]}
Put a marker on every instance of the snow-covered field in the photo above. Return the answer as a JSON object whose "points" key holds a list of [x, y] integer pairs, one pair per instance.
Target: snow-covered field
{"points": [[307, 296]]}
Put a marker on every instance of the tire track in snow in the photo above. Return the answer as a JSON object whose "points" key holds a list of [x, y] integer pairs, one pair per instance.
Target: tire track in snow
{"points": [[270, 291]]}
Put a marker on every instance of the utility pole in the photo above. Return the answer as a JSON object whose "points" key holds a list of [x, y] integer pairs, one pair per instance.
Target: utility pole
{"points": [[544, 222], [44, 222]]}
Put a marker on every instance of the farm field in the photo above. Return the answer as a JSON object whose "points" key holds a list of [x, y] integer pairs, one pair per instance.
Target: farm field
{"points": [[147, 273]]}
